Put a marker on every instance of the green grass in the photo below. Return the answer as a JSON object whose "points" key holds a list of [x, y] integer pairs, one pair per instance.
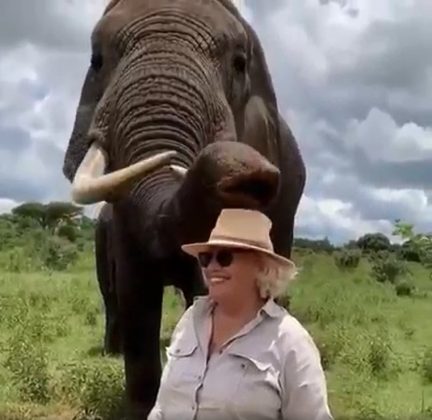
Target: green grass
{"points": [[376, 346]]}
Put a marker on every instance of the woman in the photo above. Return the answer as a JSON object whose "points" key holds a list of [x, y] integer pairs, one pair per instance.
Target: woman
{"points": [[236, 354]]}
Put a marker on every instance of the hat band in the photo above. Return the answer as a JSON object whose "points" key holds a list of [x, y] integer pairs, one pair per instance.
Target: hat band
{"points": [[245, 241]]}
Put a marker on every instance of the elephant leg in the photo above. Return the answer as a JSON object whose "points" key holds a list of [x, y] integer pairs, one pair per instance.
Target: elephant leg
{"points": [[188, 279], [193, 286], [140, 296], [113, 342], [106, 279], [140, 314]]}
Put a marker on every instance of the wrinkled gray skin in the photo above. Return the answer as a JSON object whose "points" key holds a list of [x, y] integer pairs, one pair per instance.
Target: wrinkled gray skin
{"points": [[188, 76]]}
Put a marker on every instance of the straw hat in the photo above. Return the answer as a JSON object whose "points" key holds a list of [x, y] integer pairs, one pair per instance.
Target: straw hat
{"points": [[240, 228]]}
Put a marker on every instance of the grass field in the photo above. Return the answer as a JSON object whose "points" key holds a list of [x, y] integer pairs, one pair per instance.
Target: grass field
{"points": [[376, 346]]}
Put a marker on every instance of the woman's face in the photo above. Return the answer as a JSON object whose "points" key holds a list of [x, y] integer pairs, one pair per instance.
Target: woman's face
{"points": [[230, 273]]}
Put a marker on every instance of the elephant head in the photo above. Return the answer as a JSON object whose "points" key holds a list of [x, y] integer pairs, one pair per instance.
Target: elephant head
{"points": [[167, 80]]}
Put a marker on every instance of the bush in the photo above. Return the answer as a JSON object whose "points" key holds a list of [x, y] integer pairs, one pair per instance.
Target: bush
{"points": [[91, 316], [97, 387], [68, 232], [28, 365], [380, 356], [347, 258], [330, 342], [369, 353], [426, 366], [16, 260], [38, 250], [57, 254], [386, 267], [409, 252], [404, 288]]}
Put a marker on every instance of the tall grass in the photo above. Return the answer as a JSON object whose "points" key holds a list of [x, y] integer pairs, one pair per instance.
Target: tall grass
{"points": [[375, 343]]}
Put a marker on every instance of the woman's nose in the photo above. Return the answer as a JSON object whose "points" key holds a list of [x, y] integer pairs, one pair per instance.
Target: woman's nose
{"points": [[214, 266]]}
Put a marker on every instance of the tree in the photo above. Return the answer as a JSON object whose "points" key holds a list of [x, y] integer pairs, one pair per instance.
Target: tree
{"points": [[315, 245], [61, 213], [351, 244], [409, 252], [49, 216], [418, 242], [31, 210], [374, 242]]}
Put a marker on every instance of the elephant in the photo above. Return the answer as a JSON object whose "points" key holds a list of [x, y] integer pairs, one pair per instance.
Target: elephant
{"points": [[177, 119]]}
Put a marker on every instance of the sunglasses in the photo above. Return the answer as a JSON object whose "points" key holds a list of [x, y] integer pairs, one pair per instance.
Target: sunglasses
{"points": [[224, 257]]}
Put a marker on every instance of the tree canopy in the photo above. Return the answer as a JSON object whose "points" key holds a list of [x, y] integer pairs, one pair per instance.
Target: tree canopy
{"points": [[49, 216], [374, 242]]}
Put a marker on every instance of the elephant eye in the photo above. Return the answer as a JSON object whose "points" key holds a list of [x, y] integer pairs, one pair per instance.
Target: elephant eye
{"points": [[239, 63], [96, 61]]}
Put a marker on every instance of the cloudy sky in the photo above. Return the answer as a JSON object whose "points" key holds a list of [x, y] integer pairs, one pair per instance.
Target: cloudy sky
{"points": [[353, 79]]}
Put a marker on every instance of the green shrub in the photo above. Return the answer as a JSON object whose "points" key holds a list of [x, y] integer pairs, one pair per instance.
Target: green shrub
{"points": [[409, 252], [330, 343], [347, 258], [91, 317], [28, 365], [387, 268], [379, 355], [62, 326], [369, 413], [68, 232], [79, 303], [16, 260], [404, 288], [57, 254], [426, 365], [369, 353], [39, 251], [96, 386]]}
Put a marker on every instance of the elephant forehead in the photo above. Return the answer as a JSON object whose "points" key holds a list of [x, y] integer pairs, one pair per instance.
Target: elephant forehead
{"points": [[120, 13]]}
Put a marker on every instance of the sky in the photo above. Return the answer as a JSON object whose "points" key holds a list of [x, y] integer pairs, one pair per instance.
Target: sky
{"points": [[353, 80]]}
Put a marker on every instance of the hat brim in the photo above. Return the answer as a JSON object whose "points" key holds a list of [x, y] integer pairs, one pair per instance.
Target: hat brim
{"points": [[195, 248]]}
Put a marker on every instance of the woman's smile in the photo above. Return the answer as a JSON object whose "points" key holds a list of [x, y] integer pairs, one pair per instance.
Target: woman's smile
{"points": [[215, 277]]}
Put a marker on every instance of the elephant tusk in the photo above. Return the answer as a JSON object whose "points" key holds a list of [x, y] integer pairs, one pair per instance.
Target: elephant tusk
{"points": [[179, 171], [91, 186]]}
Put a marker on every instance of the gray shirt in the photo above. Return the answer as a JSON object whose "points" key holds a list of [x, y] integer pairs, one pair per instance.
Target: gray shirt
{"points": [[271, 369]]}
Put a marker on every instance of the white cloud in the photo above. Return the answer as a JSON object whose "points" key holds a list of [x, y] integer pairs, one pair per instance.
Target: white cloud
{"points": [[6, 205], [327, 217], [382, 139]]}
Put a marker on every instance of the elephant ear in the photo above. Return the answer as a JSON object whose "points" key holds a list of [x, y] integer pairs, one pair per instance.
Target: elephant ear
{"points": [[260, 127], [91, 93], [78, 142]]}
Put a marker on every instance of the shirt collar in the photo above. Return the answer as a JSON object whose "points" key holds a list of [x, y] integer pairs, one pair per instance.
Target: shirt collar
{"points": [[270, 308]]}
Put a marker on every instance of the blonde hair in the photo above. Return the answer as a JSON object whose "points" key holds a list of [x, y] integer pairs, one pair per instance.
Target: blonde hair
{"points": [[273, 278]]}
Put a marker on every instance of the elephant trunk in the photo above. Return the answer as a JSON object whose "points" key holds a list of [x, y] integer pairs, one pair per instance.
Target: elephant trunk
{"points": [[159, 113]]}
